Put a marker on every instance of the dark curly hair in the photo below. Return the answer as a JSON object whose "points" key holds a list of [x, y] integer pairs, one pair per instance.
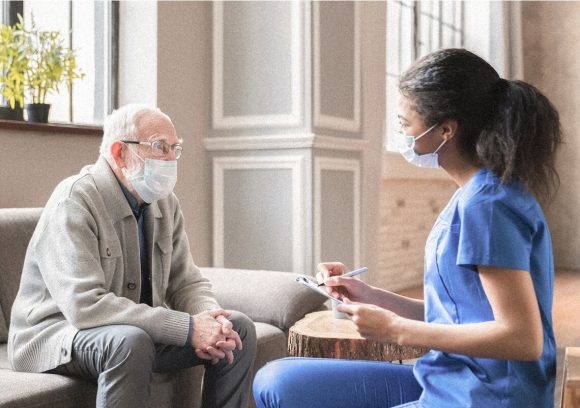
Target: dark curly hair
{"points": [[508, 127]]}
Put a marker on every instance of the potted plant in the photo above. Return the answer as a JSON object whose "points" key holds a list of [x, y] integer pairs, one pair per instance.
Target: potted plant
{"points": [[13, 65], [50, 64]]}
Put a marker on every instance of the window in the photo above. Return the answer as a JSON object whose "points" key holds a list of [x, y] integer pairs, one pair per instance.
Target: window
{"points": [[414, 29], [92, 30]]}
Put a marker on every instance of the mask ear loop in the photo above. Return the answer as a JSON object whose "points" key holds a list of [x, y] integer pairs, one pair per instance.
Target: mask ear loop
{"points": [[415, 138], [133, 168], [440, 146], [133, 152], [427, 131]]}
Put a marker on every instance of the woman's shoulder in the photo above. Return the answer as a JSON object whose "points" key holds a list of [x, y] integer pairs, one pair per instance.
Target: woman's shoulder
{"points": [[486, 191]]}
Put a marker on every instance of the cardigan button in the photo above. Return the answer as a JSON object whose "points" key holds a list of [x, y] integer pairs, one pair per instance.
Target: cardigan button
{"points": [[63, 352], [131, 286], [108, 252]]}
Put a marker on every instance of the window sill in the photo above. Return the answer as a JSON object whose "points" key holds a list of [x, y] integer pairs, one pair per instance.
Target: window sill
{"points": [[89, 130]]}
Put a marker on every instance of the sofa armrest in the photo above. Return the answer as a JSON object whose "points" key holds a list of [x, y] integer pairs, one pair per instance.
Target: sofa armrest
{"points": [[265, 296], [571, 378]]}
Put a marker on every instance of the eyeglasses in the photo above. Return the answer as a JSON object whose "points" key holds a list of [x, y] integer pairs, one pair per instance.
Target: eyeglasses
{"points": [[159, 148]]}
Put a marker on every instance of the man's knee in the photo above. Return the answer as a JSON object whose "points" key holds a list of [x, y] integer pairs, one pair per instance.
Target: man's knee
{"points": [[244, 326], [130, 345]]}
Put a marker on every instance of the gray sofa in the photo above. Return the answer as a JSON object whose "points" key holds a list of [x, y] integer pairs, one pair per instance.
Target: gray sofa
{"points": [[272, 299]]}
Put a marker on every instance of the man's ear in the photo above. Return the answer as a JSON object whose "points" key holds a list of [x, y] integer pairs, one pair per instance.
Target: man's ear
{"points": [[118, 153], [449, 129]]}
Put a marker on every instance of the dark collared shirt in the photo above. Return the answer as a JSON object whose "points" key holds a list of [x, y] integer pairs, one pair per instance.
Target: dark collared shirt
{"points": [[139, 213], [146, 294]]}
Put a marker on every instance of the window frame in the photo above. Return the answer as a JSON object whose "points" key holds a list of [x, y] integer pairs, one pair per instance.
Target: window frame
{"points": [[416, 52], [15, 7]]}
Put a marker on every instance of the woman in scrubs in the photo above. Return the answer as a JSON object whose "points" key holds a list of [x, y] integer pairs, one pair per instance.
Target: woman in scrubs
{"points": [[488, 285]]}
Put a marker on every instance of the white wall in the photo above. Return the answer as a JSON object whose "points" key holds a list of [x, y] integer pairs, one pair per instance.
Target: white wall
{"points": [[183, 92], [138, 52], [33, 163], [551, 48]]}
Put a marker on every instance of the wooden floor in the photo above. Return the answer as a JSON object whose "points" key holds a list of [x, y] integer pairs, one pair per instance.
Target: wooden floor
{"points": [[566, 314]]}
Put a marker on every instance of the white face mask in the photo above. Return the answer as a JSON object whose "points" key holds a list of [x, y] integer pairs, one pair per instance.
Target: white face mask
{"points": [[406, 145], [154, 180]]}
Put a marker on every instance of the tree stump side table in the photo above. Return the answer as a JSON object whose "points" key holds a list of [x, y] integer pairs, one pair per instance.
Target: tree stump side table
{"points": [[319, 334]]}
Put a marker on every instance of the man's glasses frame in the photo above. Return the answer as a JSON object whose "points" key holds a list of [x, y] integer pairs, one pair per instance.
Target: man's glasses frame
{"points": [[160, 148]]}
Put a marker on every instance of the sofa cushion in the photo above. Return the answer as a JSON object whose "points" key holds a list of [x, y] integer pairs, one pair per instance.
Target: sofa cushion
{"points": [[272, 344], [27, 390], [24, 390], [3, 327], [16, 228], [265, 296]]}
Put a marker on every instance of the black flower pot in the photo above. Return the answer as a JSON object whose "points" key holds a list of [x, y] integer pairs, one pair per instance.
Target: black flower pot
{"points": [[6, 112], [37, 112]]}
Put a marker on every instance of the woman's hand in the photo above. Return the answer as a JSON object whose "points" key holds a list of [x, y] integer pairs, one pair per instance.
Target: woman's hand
{"points": [[373, 322], [341, 287]]}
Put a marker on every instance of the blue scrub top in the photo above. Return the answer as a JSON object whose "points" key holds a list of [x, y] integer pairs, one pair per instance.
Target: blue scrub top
{"points": [[491, 224]]}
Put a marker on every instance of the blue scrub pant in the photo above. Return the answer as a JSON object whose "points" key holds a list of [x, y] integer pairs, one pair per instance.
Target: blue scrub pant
{"points": [[298, 382]]}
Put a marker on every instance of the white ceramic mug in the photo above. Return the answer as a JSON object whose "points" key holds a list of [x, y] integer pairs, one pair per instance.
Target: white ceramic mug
{"points": [[335, 313]]}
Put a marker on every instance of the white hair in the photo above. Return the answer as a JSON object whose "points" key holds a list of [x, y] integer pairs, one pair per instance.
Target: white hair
{"points": [[121, 124]]}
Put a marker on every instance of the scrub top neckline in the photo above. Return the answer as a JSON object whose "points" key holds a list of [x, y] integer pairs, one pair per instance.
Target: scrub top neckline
{"points": [[481, 172]]}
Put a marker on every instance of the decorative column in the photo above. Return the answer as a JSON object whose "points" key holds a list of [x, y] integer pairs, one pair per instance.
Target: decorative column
{"points": [[286, 139]]}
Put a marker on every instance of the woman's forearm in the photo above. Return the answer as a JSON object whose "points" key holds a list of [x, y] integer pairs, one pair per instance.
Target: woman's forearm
{"points": [[487, 339], [406, 307]]}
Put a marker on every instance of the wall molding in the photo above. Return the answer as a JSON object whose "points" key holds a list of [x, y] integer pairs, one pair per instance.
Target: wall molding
{"points": [[287, 141], [327, 163], [293, 118], [328, 121], [294, 163]]}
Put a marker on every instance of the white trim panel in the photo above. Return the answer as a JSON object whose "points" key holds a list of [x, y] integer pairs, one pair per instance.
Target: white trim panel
{"points": [[334, 122], [290, 162], [293, 118], [289, 141], [354, 166]]}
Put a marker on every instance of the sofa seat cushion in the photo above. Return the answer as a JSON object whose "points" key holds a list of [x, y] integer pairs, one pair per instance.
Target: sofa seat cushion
{"points": [[3, 327], [272, 344], [27, 390], [24, 390], [16, 228]]}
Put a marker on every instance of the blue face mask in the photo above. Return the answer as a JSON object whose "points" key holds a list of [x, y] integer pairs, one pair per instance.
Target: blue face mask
{"points": [[155, 180], [406, 146]]}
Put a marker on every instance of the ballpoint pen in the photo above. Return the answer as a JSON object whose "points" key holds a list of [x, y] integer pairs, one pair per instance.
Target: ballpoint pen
{"points": [[351, 274]]}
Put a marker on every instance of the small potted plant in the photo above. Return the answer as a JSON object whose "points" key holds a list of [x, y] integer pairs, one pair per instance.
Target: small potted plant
{"points": [[13, 64], [50, 64]]}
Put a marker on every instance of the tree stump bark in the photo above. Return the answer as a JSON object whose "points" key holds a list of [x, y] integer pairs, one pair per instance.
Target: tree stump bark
{"points": [[319, 334]]}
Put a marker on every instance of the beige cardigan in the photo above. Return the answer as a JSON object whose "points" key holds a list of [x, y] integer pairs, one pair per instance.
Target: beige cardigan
{"points": [[82, 270]]}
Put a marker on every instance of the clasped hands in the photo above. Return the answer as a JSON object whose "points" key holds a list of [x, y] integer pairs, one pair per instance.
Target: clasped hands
{"points": [[214, 337]]}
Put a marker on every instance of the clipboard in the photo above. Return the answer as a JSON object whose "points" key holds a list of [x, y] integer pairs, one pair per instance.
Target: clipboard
{"points": [[314, 286]]}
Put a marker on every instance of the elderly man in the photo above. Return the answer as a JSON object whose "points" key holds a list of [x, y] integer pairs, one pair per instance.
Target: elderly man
{"points": [[109, 290]]}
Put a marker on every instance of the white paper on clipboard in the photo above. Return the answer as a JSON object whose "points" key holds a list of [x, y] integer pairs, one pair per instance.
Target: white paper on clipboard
{"points": [[314, 286]]}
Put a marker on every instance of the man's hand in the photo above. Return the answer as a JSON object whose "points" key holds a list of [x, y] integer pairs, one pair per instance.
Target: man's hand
{"points": [[213, 336]]}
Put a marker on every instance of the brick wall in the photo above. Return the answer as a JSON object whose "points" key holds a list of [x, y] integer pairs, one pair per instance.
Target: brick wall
{"points": [[408, 210]]}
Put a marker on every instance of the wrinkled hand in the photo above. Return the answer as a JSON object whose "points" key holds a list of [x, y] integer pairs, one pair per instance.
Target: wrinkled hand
{"points": [[373, 322], [338, 286], [213, 336]]}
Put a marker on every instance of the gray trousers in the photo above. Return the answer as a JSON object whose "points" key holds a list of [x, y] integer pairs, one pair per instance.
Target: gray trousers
{"points": [[121, 360]]}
